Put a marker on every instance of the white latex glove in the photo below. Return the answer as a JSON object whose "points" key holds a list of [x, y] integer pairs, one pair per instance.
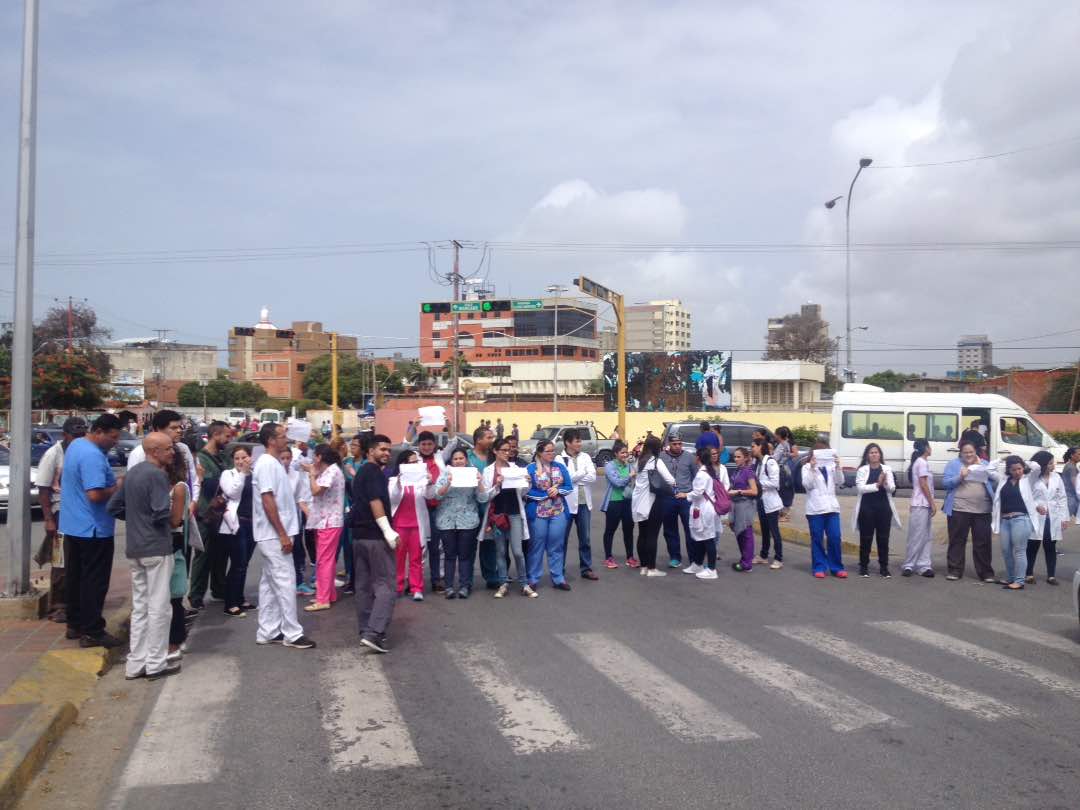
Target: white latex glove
{"points": [[388, 533]]}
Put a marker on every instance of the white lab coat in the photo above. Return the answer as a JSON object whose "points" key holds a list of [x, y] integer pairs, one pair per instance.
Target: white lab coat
{"points": [[1057, 507], [863, 488], [490, 491], [582, 473], [1034, 494], [420, 495], [641, 502], [232, 487], [820, 494], [768, 476], [705, 524]]}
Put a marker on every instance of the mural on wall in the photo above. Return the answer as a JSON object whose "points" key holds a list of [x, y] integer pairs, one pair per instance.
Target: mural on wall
{"points": [[659, 381]]}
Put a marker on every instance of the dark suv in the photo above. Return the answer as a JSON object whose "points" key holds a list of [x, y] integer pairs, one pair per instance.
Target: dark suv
{"points": [[736, 434]]}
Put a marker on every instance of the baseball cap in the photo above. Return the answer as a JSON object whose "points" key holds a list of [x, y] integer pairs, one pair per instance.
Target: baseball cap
{"points": [[674, 436], [74, 426]]}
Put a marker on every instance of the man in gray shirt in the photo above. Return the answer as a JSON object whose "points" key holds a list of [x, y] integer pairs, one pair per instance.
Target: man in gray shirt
{"points": [[683, 467], [144, 503]]}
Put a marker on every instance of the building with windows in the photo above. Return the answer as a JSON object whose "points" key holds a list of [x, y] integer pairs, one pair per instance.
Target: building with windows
{"points": [[775, 385], [148, 368], [517, 340], [657, 326], [276, 359], [974, 352]]}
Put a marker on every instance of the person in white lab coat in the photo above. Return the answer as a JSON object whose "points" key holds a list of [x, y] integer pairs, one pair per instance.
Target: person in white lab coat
{"points": [[875, 512], [1019, 501], [1048, 527], [705, 523], [579, 501], [769, 503], [648, 510]]}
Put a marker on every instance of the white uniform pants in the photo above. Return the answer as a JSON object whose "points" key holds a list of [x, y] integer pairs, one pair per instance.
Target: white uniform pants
{"points": [[918, 539], [151, 614], [277, 594]]}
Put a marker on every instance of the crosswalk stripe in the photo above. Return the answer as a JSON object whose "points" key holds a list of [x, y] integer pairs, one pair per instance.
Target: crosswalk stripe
{"points": [[526, 718], [923, 683], [684, 713], [994, 660], [181, 741], [1023, 633], [844, 713], [362, 717]]}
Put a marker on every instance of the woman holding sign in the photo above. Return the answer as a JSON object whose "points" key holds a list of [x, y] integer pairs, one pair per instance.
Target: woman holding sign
{"points": [[823, 511], [546, 512], [458, 517], [504, 519], [410, 484]]}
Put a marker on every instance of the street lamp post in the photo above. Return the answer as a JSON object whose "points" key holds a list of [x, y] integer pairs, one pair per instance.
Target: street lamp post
{"points": [[557, 289], [863, 163]]}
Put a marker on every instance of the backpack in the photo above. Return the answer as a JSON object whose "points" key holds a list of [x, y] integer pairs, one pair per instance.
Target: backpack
{"points": [[721, 499]]}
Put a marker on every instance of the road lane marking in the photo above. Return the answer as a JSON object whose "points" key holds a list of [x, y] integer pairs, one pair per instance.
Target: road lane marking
{"points": [[526, 718], [843, 712], [923, 683], [683, 712], [182, 741], [361, 717], [994, 660], [1024, 633]]}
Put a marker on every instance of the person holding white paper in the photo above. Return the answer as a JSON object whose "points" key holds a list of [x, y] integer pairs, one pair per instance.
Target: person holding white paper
{"points": [[823, 513], [457, 518], [409, 517], [969, 482], [504, 518]]}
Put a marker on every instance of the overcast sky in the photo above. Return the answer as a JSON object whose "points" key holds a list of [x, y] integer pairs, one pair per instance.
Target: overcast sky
{"points": [[195, 126]]}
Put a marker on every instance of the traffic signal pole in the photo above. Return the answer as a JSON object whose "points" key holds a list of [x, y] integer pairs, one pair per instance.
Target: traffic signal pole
{"points": [[454, 328]]}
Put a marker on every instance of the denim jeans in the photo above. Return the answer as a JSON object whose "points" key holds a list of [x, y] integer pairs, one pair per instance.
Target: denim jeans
{"points": [[459, 548], [513, 537], [676, 510], [548, 536], [1015, 532], [583, 521], [434, 549], [239, 547]]}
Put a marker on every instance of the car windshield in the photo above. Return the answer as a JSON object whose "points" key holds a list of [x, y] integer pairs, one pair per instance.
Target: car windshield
{"points": [[545, 433]]}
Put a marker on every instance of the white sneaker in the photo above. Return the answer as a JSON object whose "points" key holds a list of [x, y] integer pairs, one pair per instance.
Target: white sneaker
{"points": [[759, 560], [644, 571], [707, 573], [174, 656], [654, 572], [339, 583], [692, 568], [776, 565]]}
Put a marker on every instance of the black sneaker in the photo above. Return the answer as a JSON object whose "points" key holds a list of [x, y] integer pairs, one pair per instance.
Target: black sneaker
{"points": [[104, 640], [278, 639], [864, 571], [907, 572], [464, 593], [885, 572], [191, 613], [563, 586], [374, 643], [72, 634], [451, 593], [348, 590], [302, 643], [928, 573], [196, 604], [170, 669]]}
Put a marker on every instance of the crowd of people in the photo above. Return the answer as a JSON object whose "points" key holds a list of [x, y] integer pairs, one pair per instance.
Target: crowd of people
{"points": [[194, 520]]}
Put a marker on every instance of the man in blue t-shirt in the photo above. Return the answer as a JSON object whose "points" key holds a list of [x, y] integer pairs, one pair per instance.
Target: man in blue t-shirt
{"points": [[85, 488]]}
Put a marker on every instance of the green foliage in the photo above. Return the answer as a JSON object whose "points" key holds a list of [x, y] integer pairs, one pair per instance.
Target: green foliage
{"points": [[221, 393], [889, 380], [1059, 395], [65, 380], [804, 435], [1069, 438], [353, 379], [465, 369], [412, 373]]}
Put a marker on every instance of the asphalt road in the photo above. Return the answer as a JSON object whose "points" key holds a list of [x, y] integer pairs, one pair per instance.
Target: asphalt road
{"points": [[769, 689]]}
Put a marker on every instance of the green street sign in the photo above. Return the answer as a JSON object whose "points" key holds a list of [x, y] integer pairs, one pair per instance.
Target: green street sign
{"points": [[465, 306], [527, 304]]}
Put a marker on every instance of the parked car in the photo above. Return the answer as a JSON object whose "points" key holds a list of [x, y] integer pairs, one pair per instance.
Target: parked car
{"points": [[5, 478], [596, 444]]}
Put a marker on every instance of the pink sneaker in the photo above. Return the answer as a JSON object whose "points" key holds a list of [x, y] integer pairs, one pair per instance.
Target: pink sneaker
{"points": [[633, 563], [819, 575], [610, 563], [841, 574]]}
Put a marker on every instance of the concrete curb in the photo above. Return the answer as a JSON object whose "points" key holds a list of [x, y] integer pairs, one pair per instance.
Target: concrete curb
{"points": [[57, 686], [801, 537]]}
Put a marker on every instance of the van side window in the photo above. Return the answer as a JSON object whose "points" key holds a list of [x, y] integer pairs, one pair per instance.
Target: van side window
{"points": [[872, 425], [937, 427], [1017, 430]]}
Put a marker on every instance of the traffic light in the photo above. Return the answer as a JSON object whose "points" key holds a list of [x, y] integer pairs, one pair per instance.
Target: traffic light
{"points": [[435, 308], [496, 306], [243, 331]]}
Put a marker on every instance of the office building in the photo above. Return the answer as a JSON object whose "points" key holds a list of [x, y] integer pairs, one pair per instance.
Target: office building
{"points": [[974, 352], [657, 326], [276, 359], [151, 368], [775, 385]]}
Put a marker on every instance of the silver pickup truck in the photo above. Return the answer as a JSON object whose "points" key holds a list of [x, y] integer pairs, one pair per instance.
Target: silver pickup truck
{"points": [[598, 446]]}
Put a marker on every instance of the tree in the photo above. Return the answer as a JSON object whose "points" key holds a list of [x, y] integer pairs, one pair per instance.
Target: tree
{"points": [[88, 334], [221, 393], [465, 368], [389, 381], [802, 337], [889, 380], [412, 373], [595, 386], [66, 380], [353, 379], [1059, 397]]}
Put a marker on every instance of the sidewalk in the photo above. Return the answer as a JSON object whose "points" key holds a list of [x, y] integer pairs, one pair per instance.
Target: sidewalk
{"points": [[45, 678]]}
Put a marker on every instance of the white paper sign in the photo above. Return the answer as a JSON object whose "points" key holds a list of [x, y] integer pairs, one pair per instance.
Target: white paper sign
{"points": [[298, 430], [826, 460], [466, 477], [978, 473], [432, 416], [514, 478], [413, 475]]}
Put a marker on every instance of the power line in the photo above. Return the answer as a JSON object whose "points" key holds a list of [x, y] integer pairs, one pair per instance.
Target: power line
{"points": [[1021, 150]]}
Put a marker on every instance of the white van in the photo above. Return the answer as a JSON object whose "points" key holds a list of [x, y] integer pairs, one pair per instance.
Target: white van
{"points": [[865, 413], [271, 415], [236, 416]]}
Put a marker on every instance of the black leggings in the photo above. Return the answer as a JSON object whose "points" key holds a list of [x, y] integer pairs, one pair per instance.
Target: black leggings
{"points": [[177, 627], [770, 532], [700, 550], [619, 512], [648, 533], [874, 519], [1049, 552]]}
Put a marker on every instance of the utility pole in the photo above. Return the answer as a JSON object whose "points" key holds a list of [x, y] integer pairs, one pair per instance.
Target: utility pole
{"points": [[454, 321], [334, 416], [23, 328], [1076, 384], [557, 289]]}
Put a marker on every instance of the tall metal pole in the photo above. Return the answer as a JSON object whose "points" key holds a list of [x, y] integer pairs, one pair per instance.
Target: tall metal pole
{"points": [[557, 289], [335, 416], [23, 328], [863, 163], [454, 321], [620, 381]]}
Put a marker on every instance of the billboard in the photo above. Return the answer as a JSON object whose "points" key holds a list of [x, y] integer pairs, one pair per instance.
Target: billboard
{"points": [[671, 381]]}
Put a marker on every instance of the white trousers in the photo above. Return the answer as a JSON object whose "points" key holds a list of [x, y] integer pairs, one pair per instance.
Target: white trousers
{"points": [[151, 614], [919, 537], [277, 594]]}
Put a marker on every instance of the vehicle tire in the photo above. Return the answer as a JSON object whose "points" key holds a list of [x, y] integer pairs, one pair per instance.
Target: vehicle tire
{"points": [[603, 457]]}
